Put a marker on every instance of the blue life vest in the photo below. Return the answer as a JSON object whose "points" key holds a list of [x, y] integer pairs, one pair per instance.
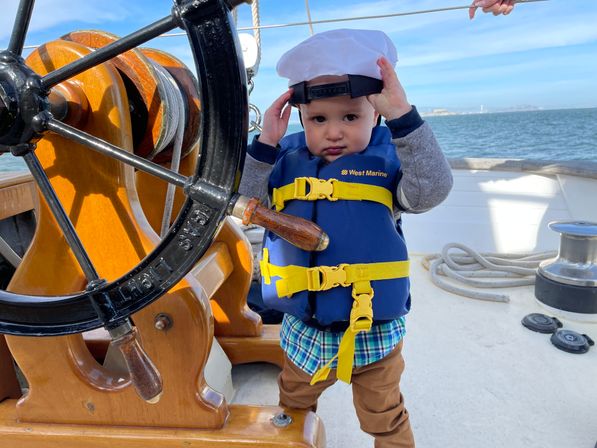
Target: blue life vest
{"points": [[359, 231]]}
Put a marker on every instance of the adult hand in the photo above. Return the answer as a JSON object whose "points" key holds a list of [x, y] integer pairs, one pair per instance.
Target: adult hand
{"points": [[391, 103], [275, 120], [496, 7]]}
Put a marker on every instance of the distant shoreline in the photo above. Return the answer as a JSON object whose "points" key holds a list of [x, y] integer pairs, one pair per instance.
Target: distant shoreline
{"points": [[448, 113], [453, 113]]}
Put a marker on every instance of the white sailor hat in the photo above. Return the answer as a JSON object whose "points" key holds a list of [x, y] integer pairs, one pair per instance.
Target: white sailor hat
{"points": [[349, 52]]}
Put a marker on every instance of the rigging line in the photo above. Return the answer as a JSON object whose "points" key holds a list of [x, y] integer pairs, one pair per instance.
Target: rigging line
{"points": [[348, 19], [309, 16], [256, 24], [345, 19]]}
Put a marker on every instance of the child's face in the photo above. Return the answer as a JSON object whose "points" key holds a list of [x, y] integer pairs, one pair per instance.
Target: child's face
{"points": [[338, 126]]}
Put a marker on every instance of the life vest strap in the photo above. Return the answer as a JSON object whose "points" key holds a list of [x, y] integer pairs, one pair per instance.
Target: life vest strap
{"points": [[321, 278], [361, 319], [294, 278], [331, 190]]}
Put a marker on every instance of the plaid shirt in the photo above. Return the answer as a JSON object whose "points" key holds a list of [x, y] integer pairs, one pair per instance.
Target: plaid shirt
{"points": [[309, 348]]}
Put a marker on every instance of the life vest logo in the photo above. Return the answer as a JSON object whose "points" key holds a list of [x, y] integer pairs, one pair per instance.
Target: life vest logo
{"points": [[369, 173]]}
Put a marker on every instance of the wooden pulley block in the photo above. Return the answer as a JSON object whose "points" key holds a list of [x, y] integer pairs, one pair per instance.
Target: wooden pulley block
{"points": [[147, 96]]}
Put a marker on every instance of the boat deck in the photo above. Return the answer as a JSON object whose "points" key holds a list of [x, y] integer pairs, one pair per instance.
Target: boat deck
{"points": [[475, 377]]}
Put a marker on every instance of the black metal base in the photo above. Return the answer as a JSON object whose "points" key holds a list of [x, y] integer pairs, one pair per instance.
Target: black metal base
{"points": [[576, 299]]}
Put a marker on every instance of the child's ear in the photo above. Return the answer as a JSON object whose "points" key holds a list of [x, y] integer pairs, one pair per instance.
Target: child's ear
{"points": [[376, 119]]}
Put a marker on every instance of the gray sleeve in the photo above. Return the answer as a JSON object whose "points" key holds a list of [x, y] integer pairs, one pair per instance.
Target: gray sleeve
{"points": [[255, 177], [426, 175]]}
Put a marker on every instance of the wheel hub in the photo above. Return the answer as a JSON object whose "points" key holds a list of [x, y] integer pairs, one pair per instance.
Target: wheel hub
{"points": [[21, 99]]}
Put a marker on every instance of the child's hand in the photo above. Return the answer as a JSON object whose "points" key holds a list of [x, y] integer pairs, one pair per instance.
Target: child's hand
{"points": [[275, 120], [391, 103], [496, 7]]}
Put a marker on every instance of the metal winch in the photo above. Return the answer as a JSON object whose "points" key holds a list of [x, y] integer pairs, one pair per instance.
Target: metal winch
{"points": [[569, 282]]}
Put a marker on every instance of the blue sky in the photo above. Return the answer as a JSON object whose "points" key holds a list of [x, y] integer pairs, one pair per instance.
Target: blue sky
{"points": [[544, 54]]}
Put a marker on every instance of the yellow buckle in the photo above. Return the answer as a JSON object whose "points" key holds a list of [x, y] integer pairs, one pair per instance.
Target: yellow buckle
{"points": [[361, 314], [322, 278], [318, 188], [264, 267], [277, 199]]}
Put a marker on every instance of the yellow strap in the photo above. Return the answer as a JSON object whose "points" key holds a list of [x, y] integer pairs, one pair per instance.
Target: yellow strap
{"points": [[330, 189], [321, 278], [322, 374], [269, 270], [361, 319]]}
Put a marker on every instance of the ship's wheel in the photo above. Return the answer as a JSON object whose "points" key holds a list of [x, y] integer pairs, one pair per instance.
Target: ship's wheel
{"points": [[26, 116]]}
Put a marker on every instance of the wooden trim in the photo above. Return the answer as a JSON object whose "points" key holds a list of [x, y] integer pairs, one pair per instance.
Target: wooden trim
{"points": [[9, 385], [248, 426], [17, 194], [262, 348]]}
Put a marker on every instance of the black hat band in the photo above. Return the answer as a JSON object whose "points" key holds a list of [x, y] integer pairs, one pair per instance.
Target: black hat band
{"points": [[357, 85]]}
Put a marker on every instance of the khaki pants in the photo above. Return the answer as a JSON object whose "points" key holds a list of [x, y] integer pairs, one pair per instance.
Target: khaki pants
{"points": [[375, 393]]}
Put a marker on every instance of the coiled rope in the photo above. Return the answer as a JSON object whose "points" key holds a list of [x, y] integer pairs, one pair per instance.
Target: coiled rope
{"points": [[170, 94], [482, 270], [175, 111]]}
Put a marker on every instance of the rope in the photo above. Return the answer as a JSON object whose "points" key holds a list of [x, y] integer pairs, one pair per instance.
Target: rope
{"points": [[309, 16], [487, 270], [174, 105], [169, 93], [256, 28], [346, 19], [252, 72]]}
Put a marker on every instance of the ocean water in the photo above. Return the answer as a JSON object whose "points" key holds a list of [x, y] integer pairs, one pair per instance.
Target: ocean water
{"points": [[567, 134]]}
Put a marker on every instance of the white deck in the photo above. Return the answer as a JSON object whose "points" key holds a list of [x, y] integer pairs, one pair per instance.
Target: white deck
{"points": [[504, 211], [475, 377]]}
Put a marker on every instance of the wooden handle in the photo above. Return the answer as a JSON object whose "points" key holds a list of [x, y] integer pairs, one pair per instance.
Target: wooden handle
{"points": [[303, 234], [144, 375]]}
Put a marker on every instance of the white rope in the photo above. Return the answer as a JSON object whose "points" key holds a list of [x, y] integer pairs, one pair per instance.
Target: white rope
{"points": [[256, 28], [252, 72], [487, 270]]}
